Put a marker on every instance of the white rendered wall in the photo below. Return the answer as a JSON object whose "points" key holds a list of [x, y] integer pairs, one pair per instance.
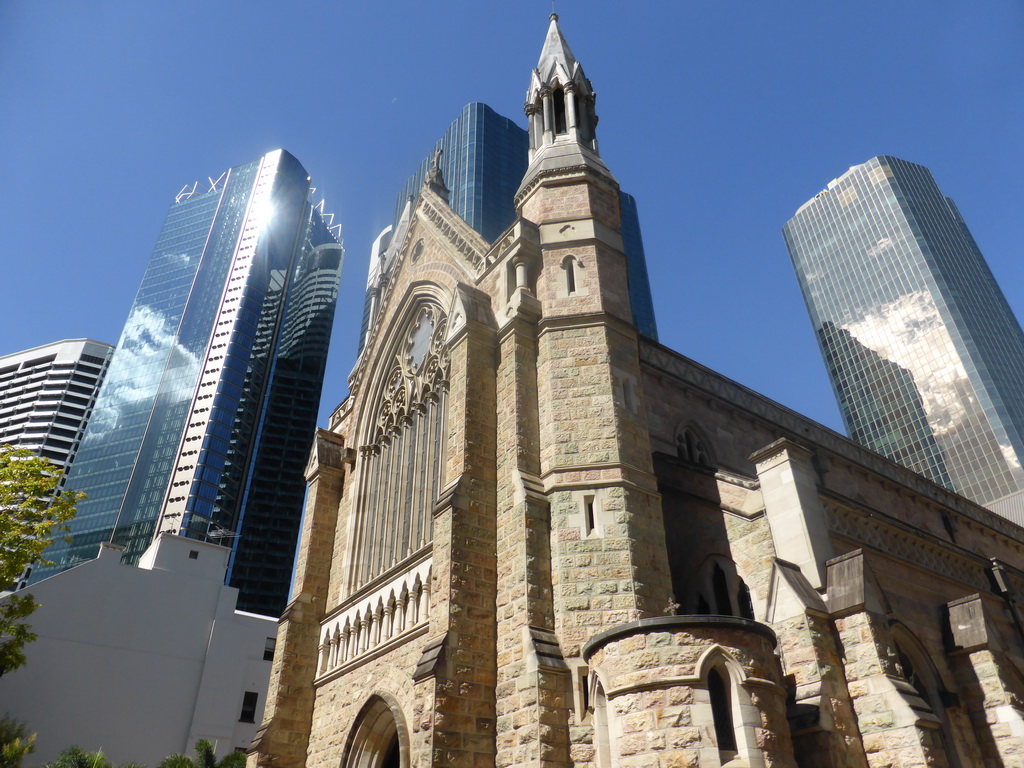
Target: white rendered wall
{"points": [[140, 662]]}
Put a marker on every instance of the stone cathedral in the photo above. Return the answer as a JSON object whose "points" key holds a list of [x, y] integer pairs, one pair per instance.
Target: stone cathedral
{"points": [[534, 537]]}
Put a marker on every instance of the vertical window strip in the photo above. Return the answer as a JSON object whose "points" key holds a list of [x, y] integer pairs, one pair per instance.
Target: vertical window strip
{"points": [[364, 536], [398, 511], [410, 481], [381, 510], [391, 511], [439, 443], [424, 500], [372, 500]]}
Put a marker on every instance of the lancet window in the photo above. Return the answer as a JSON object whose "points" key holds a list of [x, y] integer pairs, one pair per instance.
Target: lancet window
{"points": [[559, 104], [721, 712], [719, 590], [691, 447], [403, 453]]}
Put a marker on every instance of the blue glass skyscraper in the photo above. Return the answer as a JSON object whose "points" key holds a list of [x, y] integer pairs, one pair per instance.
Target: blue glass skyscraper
{"points": [[204, 423], [484, 158], [924, 353]]}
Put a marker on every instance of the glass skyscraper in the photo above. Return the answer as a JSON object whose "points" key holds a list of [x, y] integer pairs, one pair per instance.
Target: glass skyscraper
{"points": [[205, 420], [483, 161], [924, 353]]}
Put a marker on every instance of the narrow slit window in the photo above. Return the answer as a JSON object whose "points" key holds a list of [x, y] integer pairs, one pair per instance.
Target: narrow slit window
{"points": [[559, 103], [589, 518], [570, 276], [721, 712]]}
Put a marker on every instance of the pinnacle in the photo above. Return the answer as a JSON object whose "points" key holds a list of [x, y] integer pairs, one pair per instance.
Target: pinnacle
{"points": [[556, 52]]}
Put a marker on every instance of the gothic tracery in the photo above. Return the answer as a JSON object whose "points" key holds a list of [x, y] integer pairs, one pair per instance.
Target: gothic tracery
{"points": [[403, 453]]}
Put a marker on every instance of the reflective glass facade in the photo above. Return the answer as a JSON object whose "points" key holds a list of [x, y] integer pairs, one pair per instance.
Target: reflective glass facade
{"points": [[205, 421], [922, 348], [640, 301], [483, 162]]}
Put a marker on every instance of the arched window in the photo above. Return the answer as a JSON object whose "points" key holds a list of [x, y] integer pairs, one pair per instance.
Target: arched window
{"points": [[402, 455], [377, 740], [719, 590], [603, 726], [558, 97], [572, 267], [691, 447], [721, 714], [734, 718], [918, 669]]}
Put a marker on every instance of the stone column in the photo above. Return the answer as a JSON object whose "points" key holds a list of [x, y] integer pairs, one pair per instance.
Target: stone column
{"points": [[282, 739], [549, 115], [571, 121], [534, 694], [534, 118], [458, 669]]}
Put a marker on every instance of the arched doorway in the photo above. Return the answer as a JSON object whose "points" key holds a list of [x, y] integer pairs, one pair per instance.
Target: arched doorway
{"points": [[378, 740]]}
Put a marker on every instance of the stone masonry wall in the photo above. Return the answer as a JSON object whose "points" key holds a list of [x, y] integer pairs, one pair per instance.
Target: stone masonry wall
{"points": [[654, 675]]}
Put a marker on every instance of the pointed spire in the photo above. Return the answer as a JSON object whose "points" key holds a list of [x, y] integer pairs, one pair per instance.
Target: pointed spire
{"points": [[560, 111], [556, 59], [560, 99]]}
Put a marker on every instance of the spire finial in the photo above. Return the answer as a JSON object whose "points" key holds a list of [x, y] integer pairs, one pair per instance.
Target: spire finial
{"points": [[553, 16]]}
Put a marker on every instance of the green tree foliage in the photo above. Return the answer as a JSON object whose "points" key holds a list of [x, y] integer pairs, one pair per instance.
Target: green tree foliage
{"points": [[76, 757], [15, 742], [205, 757], [31, 516]]}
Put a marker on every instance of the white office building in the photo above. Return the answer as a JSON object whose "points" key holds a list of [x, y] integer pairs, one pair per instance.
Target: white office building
{"points": [[142, 662]]}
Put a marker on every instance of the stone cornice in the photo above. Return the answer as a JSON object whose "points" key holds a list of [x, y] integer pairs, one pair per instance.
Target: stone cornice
{"points": [[585, 320], [622, 478], [565, 175], [667, 362], [896, 539], [676, 624]]}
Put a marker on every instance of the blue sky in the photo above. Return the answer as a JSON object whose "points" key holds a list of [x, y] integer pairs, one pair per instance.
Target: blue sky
{"points": [[721, 118]]}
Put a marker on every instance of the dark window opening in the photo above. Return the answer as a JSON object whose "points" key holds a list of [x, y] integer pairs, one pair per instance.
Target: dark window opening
{"points": [[393, 757], [268, 649], [570, 276], [746, 605], [248, 714], [723, 605], [721, 712], [590, 519], [559, 102], [908, 671]]}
